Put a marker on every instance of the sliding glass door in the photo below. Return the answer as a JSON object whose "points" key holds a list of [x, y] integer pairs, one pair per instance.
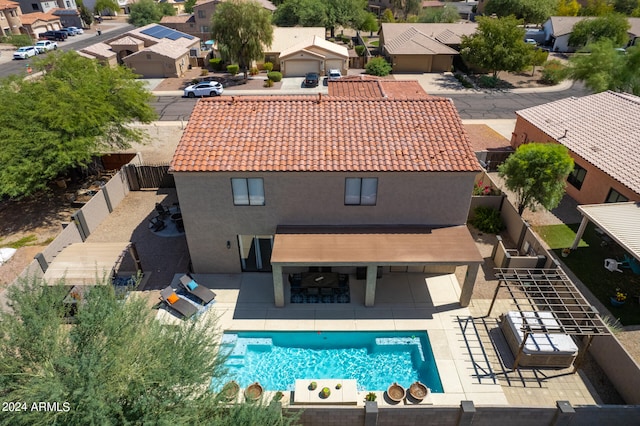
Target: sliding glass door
{"points": [[255, 252]]}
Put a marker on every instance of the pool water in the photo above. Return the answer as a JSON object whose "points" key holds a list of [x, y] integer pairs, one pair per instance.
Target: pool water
{"points": [[375, 359]]}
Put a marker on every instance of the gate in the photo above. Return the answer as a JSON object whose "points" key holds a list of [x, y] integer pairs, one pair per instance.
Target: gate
{"points": [[148, 176]]}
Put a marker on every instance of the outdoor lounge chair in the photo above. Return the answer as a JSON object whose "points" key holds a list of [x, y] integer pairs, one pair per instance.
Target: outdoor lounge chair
{"points": [[184, 308], [199, 291]]}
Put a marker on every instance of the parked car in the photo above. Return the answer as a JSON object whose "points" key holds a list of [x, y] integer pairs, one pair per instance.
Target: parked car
{"points": [[25, 52], [311, 79], [54, 35], [68, 31], [205, 88], [44, 46], [76, 30], [530, 41], [334, 75]]}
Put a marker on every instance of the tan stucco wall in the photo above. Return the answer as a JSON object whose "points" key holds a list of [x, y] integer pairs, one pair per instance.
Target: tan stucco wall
{"points": [[442, 63], [150, 64], [596, 185], [411, 63], [211, 219]]}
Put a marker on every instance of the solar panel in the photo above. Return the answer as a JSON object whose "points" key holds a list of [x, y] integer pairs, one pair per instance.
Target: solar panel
{"points": [[158, 31]]}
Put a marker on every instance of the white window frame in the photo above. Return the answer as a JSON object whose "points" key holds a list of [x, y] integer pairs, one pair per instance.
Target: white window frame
{"points": [[248, 191], [360, 191]]}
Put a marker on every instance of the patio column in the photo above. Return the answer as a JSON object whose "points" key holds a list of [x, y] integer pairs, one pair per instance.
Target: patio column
{"points": [[370, 289], [469, 283], [278, 287], [583, 226]]}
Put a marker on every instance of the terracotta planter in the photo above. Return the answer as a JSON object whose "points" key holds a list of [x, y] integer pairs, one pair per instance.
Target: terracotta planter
{"points": [[253, 392], [396, 393], [615, 302], [418, 391], [230, 390]]}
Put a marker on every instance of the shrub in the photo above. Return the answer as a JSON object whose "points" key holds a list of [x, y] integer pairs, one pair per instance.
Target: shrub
{"points": [[268, 83], [216, 64], [360, 49], [274, 76], [463, 80], [378, 66], [204, 72], [487, 219], [553, 73], [233, 69], [488, 81], [254, 71], [18, 40], [268, 66]]}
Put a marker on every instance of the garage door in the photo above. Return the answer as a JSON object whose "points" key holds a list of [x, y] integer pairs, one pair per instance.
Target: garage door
{"points": [[333, 64], [298, 68]]}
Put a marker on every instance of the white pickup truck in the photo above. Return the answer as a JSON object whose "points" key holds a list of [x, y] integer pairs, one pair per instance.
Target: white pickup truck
{"points": [[43, 46]]}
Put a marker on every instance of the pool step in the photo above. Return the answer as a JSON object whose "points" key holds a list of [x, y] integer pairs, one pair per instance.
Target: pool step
{"points": [[401, 341], [257, 344], [235, 361]]}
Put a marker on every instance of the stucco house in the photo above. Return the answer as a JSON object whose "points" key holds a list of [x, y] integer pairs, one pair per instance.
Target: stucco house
{"points": [[286, 37], [602, 133], [153, 51], [39, 22], [558, 29], [313, 55], [29, 6], [10, 15], [283, 183], [422, 47]]}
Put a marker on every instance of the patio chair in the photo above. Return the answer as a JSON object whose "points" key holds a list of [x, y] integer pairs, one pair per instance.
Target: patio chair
{"points": [[163, 212], [612, 265], [199, 291], [181, 306], [157, 224]]}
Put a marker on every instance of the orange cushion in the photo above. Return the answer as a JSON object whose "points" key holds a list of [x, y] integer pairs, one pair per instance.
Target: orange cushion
{"points": [[173, 298]]}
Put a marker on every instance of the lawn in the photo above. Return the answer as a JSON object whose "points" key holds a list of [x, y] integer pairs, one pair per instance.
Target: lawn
{"points": [[587, 263]]}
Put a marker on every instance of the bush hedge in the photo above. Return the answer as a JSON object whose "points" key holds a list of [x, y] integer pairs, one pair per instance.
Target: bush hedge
{"points": [[268, 66], [216, 64], [233, 69], [553, 73], [487, 219], [274, 76], [378, 66]]}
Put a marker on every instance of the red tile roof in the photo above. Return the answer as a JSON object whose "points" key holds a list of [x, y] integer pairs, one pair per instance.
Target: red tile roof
{"points": [[304, 133], [357, 88]]}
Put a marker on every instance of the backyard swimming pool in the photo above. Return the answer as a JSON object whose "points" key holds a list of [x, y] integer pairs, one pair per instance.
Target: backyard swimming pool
{"points": [[375, 359]]}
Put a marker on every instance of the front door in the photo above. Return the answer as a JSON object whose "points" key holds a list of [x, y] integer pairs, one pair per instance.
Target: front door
{"points": [[255, 252]]}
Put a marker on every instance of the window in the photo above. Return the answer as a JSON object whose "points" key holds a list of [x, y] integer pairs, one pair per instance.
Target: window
{"points": [[615, 197], [204, 29], [247, 192], [576, 177], [201, 14], [361, 191], [34, 6], [68, 3]]}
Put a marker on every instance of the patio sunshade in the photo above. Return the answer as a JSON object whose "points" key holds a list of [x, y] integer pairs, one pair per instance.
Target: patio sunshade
{"points": [[210, 42], [82, 263]]}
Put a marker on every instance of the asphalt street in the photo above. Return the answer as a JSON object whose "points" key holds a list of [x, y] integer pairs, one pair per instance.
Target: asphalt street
{"points": [[474, 106]]}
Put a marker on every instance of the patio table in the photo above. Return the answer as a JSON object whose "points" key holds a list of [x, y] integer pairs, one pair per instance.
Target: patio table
{"points": [[320, 280]]}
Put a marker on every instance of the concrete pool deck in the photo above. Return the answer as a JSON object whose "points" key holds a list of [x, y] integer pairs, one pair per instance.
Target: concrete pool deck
{"points": [[472, 357]]}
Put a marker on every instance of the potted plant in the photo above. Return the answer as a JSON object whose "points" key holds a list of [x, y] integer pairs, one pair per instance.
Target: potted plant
{"points": [[325, 392], [278, 396], [566, 252], [619, 298], [371, 396], [339, 386], [313, 386]]}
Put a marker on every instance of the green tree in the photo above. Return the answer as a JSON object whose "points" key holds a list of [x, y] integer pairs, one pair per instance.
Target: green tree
{"points": [[387, 16], [145, 12], [498, 45], [378, 66], [537, 174], [442, 14], [568, 8], [77, 109], [106, 6], [115, 365], [188, 6], [613, 26], [626, 7], [85, 14], [538, 58], [530, 11], [596, 8], [605, 68], [368, 23], [636, 12], [242, 28], [344, 13], [404, 8], [304, 13]]}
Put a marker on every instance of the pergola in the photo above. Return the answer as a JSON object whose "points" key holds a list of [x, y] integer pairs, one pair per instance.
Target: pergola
{"points": [[371, 247], [88, 263], [550, 290], [620, 221]]}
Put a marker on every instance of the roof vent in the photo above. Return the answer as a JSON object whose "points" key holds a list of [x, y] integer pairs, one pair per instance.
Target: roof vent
{"points": [[319, 97]]}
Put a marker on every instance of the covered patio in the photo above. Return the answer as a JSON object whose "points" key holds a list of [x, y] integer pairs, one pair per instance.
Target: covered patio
{"points": [[372, 247], [89, 263]]}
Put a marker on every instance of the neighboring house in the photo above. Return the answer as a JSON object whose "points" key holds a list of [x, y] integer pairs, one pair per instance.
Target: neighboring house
{"points": [[199, 23], [153, 51], [313, 55], [38, 22], [558, 29], [30, 6], [422, 47], [10, 18], [602, 134], [69, 18], [267, 183], [287, 37]]}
